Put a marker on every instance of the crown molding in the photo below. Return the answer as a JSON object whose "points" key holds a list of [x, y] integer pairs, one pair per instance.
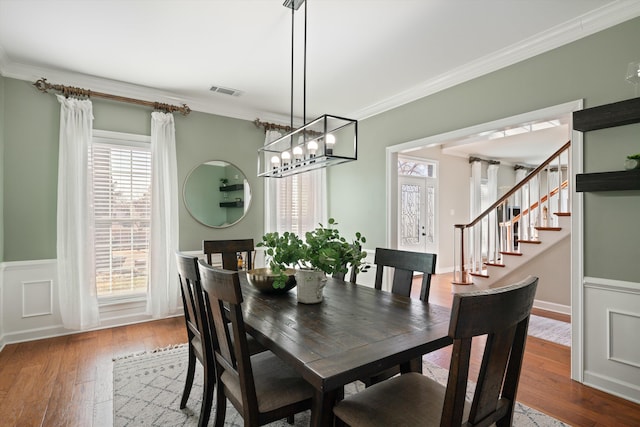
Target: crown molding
{"points": [[590, 23], [583, 26]]}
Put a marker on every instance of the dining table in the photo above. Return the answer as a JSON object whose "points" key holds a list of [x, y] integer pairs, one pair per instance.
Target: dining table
{"points": [[356, 331]]}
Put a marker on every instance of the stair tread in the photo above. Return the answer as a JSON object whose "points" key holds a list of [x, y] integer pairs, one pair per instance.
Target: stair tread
{"points": [[479, 274], [549, 228], [536, 242], [494, 264], [511, 253], [562, 213]]}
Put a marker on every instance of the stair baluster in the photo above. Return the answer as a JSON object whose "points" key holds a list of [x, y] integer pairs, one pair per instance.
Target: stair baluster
{"points": [[471, 255]]}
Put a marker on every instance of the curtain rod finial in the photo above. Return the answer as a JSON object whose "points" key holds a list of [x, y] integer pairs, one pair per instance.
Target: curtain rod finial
{"points": [[42, 85]]}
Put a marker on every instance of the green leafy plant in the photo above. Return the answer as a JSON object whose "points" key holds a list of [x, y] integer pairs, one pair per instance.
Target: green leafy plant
{"points": [[634, 157], [324, 249]]}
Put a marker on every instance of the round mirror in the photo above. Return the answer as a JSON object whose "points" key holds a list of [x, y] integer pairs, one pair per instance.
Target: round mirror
{"points": [[217, 194]]}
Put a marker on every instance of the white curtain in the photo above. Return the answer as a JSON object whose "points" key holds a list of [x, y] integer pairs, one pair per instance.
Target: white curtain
{"points": [[296, 203], [163, 274], [75, 250], [520, 175]]}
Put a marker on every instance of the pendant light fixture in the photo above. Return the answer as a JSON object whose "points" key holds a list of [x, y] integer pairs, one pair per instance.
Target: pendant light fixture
{"points": [[325, 141]]}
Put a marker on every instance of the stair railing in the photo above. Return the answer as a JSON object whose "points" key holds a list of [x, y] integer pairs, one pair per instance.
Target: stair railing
{"points": [[504, 224]]}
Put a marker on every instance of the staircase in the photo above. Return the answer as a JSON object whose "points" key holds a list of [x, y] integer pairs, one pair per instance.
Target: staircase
{"points": [[505, 236]]}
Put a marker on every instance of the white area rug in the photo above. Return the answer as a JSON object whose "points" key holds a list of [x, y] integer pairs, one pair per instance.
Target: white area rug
{"points": [[550, 330], [147, 389]]}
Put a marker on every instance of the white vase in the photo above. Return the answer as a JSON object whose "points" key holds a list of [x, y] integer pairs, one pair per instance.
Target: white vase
{"points": [[309, 286]]}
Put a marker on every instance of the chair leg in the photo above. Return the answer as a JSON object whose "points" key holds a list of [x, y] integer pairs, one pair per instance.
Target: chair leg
{"points": [[290, 419], [221, 406], [191, 369], [207, 396]]}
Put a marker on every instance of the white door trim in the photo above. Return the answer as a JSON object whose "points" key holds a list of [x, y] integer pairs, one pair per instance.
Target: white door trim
{"points": [[577, 271]]}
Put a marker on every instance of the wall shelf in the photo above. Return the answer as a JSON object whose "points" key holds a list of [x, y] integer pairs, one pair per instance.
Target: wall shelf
{"points": [[608, 181], [620, 113], [607, 116], [232, 187], [234, 204]]}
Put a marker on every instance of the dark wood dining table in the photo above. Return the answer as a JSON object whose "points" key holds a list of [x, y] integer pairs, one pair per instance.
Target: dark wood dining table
{"points": [[355, 332]]}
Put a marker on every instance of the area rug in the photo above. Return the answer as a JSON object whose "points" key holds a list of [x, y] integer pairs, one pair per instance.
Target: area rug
{"points": [[147, 389], [550, 330]]}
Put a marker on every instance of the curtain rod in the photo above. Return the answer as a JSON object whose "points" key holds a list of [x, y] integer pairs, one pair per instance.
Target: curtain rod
{"points": [[478, 159], [271, 126], [43, 85]]}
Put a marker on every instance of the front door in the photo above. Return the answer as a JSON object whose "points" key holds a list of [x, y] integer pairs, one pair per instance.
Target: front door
{"points": [[416, 214]]}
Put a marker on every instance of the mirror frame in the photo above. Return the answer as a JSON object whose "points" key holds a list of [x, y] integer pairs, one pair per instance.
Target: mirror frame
{"points": [[247, 204]]}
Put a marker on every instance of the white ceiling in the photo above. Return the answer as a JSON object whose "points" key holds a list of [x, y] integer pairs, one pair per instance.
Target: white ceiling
{"points": [[364, 56]]}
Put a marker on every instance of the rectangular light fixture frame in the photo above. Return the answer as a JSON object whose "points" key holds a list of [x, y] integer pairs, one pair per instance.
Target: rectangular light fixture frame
{"points": [[345, 149]]}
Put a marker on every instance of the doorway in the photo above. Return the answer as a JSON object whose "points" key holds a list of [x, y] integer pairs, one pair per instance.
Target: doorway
{"points": [[417, 213], [448, 216]]}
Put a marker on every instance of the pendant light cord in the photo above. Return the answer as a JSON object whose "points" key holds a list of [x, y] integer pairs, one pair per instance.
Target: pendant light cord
{"points": [[304, 60], [304, 70], [292, 44]]}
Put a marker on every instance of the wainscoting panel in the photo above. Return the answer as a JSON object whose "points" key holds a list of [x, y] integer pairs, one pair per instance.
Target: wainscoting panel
{"points": [[621, 348], [29, 304], [37, 298], [612, 348]]}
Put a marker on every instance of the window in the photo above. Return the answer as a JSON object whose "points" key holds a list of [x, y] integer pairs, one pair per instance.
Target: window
{"points": [[299, 202], [120, 167], [415, 167]]}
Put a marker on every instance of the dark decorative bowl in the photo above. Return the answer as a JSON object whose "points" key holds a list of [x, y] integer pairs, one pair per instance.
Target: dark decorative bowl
{"points": [[262, 279]]}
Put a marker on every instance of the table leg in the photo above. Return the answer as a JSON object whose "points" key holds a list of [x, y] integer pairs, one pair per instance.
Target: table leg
{"points": [[322, 407], [413, 365]]}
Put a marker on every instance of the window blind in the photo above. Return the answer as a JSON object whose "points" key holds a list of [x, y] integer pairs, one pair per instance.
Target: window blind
{"points": [[121, 195]]}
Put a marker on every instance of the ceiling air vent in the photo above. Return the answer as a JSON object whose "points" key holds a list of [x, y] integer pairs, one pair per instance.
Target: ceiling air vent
{"points": [[225, 90]]}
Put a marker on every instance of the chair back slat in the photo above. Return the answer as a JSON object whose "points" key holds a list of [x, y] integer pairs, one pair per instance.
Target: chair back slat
{"points": [[405, 263], [222, 288], [503, 315], [229, 250], [195, 312]]}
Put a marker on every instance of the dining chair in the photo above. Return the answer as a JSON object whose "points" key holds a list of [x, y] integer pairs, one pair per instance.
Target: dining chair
{"points": [[229, 250], [261, 387], [502, 314], [198, 333], [405, 263], [353, 274]]}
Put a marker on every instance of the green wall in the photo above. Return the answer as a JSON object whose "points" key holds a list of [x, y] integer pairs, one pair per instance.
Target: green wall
{"points": [[30, 131], [592, 69]]}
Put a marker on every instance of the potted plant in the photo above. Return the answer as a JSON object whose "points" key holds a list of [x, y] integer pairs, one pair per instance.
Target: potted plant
{"points": [[323, 252]]}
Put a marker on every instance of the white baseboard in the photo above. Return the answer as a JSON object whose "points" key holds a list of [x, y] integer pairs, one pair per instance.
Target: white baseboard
{"points": [[613, 386], [552, 306]]}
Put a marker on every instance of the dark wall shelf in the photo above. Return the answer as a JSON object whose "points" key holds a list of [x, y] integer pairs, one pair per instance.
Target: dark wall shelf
{"points": [[236, 204], [607, 116], [232, 187], [608, 181]]}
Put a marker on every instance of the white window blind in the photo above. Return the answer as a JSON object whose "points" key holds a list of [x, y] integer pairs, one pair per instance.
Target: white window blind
{"points": [[121, 173], [296, 203]]}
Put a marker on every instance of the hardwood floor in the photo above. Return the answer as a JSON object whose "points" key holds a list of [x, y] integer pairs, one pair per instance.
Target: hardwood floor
{"points": [[62, 381]]}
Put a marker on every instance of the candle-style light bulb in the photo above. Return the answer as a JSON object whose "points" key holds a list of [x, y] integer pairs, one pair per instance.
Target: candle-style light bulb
{"points": [[329, 142], [312, 147], [298, 154], [275, 162]]}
